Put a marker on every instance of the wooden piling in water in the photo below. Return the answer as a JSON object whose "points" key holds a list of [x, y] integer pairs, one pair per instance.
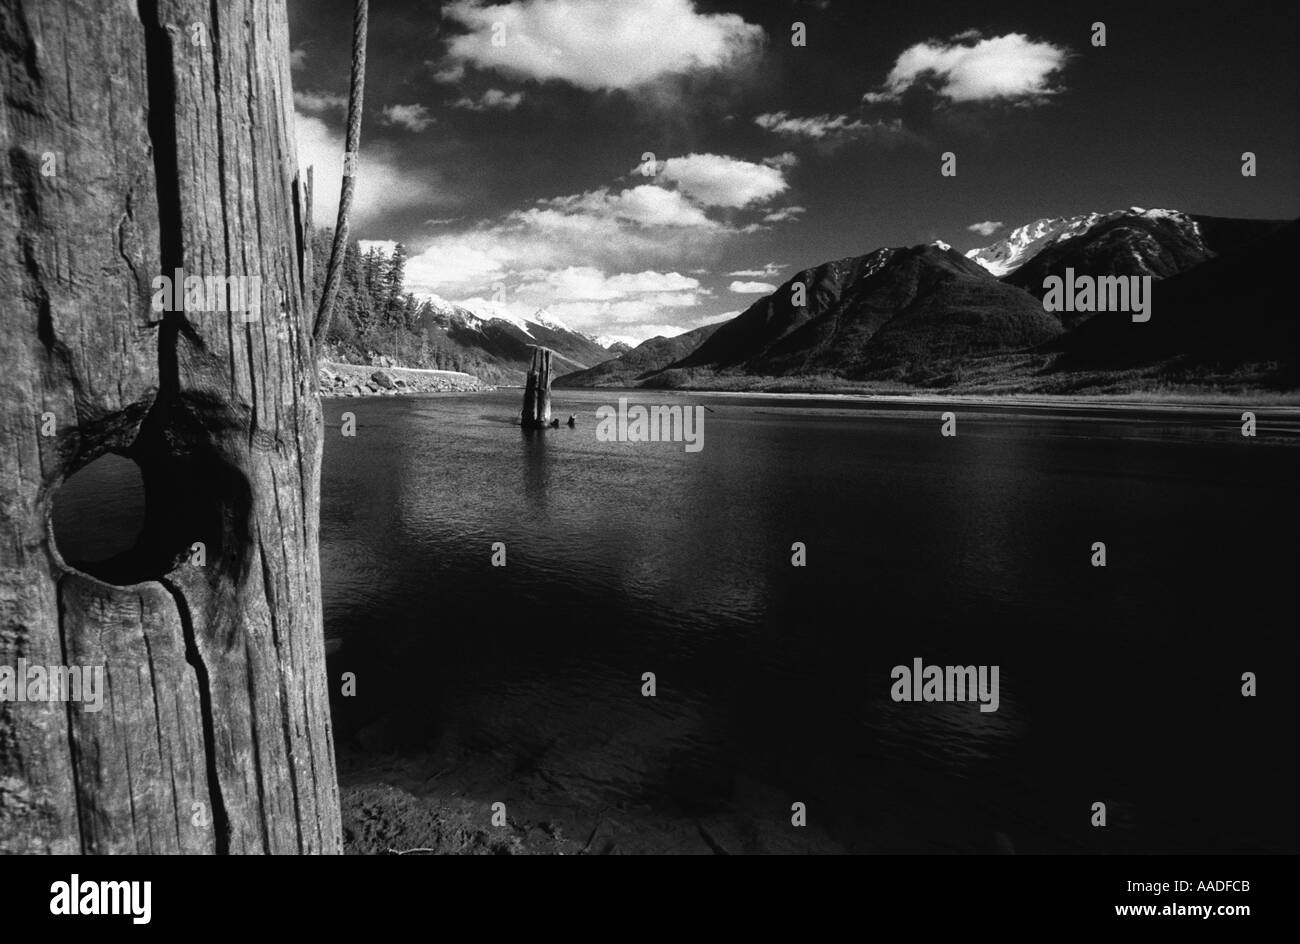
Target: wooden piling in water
{"points": [[537, 391]]}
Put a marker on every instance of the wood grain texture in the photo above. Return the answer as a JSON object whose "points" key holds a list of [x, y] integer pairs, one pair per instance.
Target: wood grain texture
{"points": [[171, 123]]}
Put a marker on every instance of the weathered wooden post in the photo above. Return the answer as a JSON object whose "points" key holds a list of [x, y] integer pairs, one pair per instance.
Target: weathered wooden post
{"points": [[141, 141], [537, 390]]}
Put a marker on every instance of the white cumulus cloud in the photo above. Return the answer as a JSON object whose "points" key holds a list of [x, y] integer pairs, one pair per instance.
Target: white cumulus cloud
{"points": [[597, 44], [646, 204], [606, 256], [972, 68], [752, 288], [410, 117], [382, 187], [315, 103], [987, 228], [587, 283], [587, 299], [593, 230], [720, 181]]}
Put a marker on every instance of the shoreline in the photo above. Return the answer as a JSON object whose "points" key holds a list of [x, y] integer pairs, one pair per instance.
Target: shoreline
{"points": [[341, 381], [337, 380], [413, 805], [1290, 402]]}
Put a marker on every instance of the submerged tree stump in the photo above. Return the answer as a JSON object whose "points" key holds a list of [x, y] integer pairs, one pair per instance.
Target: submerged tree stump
{"points": [[142, 140], [537, 390]]}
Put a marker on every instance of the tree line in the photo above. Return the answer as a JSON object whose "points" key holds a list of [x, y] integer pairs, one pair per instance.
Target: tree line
{"points": [[375, 315]]}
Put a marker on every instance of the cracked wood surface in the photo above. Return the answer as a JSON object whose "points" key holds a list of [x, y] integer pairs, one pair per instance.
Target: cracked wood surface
{"points": [[170, 123]]}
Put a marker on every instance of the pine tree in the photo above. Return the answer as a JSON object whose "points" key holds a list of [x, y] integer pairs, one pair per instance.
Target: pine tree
{"points": [[394, 280]]}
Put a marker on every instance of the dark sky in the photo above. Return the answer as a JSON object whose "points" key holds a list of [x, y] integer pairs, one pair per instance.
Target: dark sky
{"points": [[510, 172]]}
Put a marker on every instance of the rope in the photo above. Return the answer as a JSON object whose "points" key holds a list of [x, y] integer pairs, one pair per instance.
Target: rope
{"points": [[334, 274]]}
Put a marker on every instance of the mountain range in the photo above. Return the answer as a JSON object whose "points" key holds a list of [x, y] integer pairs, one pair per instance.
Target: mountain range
{"points": [[638, 363], [499, 348], [932, 318]]}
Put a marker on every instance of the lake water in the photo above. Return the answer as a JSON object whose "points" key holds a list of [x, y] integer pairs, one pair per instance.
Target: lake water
{"points": [[523, 683], [1119, 684]]}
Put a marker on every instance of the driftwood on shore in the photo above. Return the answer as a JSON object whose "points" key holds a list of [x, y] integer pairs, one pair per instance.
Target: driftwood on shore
{"points": [[537, 391], [145, 141]]}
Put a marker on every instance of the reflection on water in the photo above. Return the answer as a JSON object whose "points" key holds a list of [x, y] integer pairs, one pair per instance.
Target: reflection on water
{"points": [[1117, 684], [537, 479]]}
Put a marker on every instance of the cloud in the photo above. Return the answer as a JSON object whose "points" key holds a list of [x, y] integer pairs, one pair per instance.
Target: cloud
{"points": [[382, 187], [564, 260], [595, 316], [453, 265], [297, 58], [718, 181], [593, 229], [768, 271], [647, 204], [410, 117], [630, 306], [971, 68], [683, 219], [448, 74], [315, 103], [492, 98], [605, 256], [587, 283], [587, 299], [987, 228], [598, 44], [782, 161], [784, 214], [752, 288], [829, 129]]}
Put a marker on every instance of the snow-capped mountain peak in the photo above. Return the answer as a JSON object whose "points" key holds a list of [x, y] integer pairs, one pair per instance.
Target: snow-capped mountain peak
{"points": [[547, 320], [449, 312], [1022, 244]]}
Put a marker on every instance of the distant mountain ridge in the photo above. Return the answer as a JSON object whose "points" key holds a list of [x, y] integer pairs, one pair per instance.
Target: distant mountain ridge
{"points": [[639, 362], [1005, 256], [1156, 243], [503, 344], [1235, 311], [927, 316], [900, 314]]}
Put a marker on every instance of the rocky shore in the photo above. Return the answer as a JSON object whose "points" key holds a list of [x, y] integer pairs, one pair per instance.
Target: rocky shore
{"points": [[442, 817], [442, 803], [364, 380]]}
